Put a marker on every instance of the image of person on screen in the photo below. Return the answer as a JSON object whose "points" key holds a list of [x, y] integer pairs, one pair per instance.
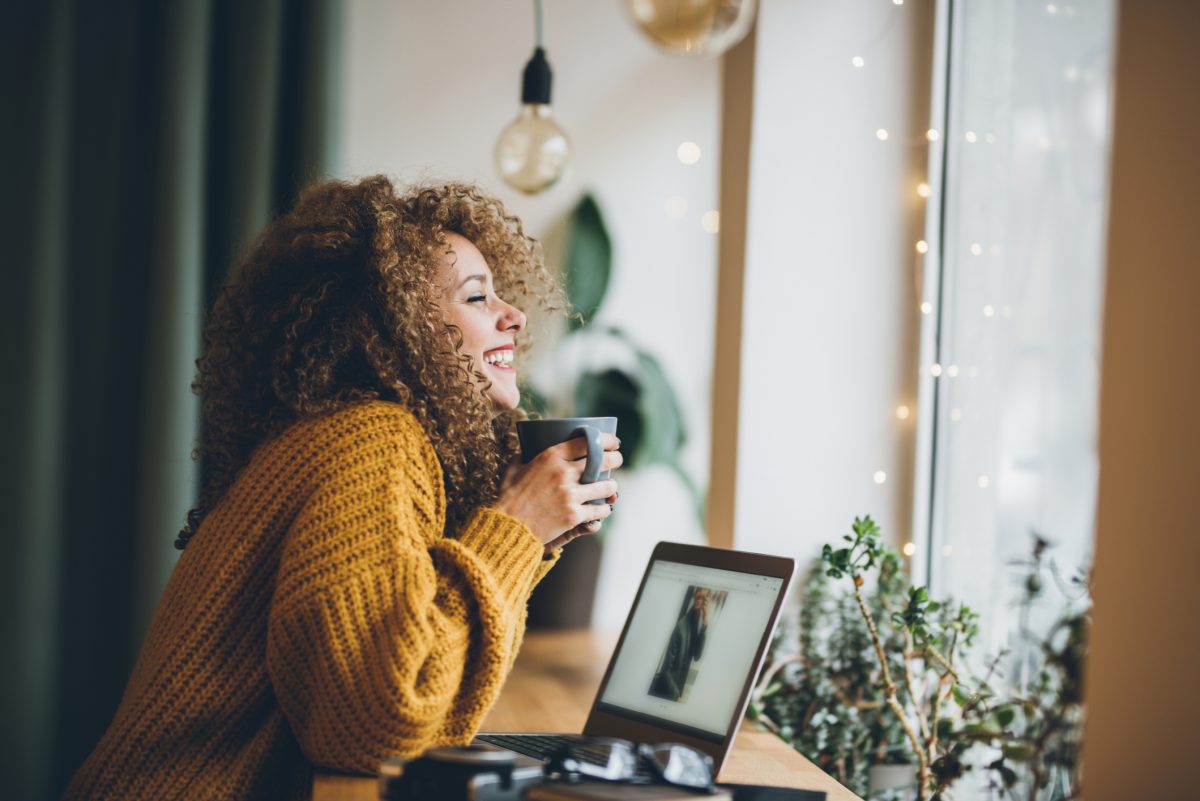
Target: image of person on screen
{"points": [[684, 648]]}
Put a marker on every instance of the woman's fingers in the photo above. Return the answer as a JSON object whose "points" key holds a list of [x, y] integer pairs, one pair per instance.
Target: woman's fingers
{"points": [[547, 495], [600, 490], [590, 526], [612, 460], [576, 448]]}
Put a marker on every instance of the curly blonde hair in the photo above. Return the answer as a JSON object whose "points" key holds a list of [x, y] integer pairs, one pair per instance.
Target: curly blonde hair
{"points": [[337, 302]]}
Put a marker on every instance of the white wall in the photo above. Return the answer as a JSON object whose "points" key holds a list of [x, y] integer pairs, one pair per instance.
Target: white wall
{"points": [[828, 339], [428, 88]]}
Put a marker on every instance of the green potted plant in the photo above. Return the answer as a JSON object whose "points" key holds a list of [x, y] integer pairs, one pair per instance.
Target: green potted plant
{"points": [[633, 388], [880, 674]]}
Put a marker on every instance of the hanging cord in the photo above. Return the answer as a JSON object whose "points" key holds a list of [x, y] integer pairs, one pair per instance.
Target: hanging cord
{"points": [[537, 21]]}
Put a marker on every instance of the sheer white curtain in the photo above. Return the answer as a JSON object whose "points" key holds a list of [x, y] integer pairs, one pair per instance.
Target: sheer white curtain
{"points": [[1015, 300]]}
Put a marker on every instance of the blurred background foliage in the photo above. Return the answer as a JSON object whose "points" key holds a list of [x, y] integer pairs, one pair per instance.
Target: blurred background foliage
{"points": [[637, 391]]}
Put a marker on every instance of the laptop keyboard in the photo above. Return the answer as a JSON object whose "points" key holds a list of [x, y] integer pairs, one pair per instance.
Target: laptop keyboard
{"points": [[545, 746]]}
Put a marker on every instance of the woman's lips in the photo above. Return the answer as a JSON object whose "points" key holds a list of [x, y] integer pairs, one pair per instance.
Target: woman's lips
{"points": [[500, 359]]}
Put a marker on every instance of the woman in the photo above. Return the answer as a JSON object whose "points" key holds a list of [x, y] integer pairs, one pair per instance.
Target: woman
{"points": [[356, 574]]}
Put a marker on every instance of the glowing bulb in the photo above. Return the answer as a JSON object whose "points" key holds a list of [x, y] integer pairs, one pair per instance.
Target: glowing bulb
{"points": [[971, 137], [902, 412], [932, 135], [711, 221], [897, 2], [948, 550], [857, 61], [676, 207], [532, 152], [688, 152], [923, 189], [976, 249], [909, 548], [952, 371], [983, 482], [989, 138], [955, 415], [882, 134], [880, 476], [988, 311], [922, 246], [1051, 8], [926, 308], [699, 28], [935, 369]]}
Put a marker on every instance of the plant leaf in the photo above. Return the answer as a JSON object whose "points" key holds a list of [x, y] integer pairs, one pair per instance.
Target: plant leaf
{"points": [[1019, 752], [614, 393], [665, 432], [588, 263]]}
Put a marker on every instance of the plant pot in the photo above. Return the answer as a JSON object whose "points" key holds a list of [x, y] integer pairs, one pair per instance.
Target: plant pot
{"points": [[564, 598], [891, 777]]}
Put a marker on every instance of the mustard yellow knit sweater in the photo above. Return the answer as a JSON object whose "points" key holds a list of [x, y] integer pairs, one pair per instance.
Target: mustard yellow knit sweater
{"points": [[319, 616]]}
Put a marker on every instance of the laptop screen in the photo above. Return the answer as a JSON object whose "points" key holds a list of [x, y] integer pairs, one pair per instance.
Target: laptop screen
{"points": [[690, 646]]}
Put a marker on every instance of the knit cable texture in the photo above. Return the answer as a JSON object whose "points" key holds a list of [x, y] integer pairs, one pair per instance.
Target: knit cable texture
{"points": [[320, 617]]}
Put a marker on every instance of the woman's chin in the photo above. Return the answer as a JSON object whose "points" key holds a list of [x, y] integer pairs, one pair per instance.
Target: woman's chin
{"points": [[505, 398]]}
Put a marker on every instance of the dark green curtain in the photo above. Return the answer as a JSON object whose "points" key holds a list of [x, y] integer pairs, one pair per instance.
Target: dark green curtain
{"points": [[144, 143]]}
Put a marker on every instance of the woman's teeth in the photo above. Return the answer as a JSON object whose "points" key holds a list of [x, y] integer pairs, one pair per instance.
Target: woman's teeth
{"points": [[499, 358]]}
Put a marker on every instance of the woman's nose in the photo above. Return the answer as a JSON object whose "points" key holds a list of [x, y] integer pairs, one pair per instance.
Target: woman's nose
{"points": [[513, 319]]}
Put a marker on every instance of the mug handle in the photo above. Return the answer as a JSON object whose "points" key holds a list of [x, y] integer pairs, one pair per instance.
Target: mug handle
{"points": [[595, 453]]}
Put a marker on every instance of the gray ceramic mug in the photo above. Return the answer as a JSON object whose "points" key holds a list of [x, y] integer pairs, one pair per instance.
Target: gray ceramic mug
{"points": [[537, 435]]}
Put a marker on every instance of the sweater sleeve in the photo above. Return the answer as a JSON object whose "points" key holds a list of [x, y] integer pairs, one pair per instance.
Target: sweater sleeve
{"points": [[385, 637]]}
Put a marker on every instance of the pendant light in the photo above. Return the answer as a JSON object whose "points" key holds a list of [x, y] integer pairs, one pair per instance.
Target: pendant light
{"points": [[701, 28], [532, 152]]}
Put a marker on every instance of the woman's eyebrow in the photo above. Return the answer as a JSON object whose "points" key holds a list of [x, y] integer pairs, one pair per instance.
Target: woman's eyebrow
{"points": [[480, 277]]}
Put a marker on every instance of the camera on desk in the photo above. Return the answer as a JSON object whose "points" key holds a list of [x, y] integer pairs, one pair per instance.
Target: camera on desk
{"points": [[470, 773]]}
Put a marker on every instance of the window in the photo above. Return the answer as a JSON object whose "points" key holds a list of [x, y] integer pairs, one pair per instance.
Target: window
{"points": [[1014, 281]]}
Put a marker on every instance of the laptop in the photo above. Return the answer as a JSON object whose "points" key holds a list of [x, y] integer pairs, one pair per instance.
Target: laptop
{"points": [[692, 647]]}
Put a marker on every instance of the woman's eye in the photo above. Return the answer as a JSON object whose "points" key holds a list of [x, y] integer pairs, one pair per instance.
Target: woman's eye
{"points": [[477, 299]]}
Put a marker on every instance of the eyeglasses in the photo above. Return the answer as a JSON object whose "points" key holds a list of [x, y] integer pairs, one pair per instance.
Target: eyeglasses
{"points": [[615, 760]]}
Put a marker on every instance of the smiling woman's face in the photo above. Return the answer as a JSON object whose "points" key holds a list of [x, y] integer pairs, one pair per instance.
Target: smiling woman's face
{"points": [[489, 325]]}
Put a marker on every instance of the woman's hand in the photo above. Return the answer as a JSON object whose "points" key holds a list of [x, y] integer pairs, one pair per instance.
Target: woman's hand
{"points": [[546, 494]]}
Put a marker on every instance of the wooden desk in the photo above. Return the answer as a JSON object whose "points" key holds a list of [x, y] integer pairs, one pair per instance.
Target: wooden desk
{"points": [[551, 689]]}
